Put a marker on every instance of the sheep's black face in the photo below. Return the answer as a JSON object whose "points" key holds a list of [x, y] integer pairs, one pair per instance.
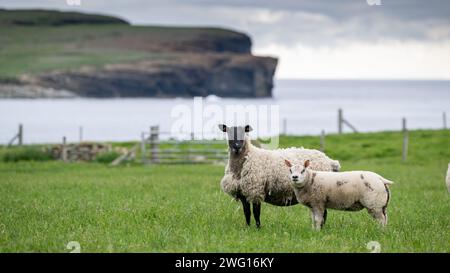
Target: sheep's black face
{"points": [[236, 136], [236, 145]]}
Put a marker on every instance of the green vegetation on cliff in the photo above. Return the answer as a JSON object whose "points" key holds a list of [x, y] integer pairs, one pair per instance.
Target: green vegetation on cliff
{"points": [[39, 41], [37, 17]]}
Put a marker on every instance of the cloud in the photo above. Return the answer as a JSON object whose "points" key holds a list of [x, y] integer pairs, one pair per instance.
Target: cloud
{"points": [[384, 60], [317, 33]]}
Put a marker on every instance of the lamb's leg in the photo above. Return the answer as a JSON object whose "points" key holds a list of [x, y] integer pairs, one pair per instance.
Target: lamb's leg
{"points": [[247, 212], [318, 217], [385, 216], [312, 219], [384, 209], [257, 213], [379, 215]]}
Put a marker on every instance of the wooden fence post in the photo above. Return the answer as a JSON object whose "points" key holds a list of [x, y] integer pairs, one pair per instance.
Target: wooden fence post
{"points": [[64, 149], [80, 133], [154, 145], [322, 141], [444, 119], [405, 140], [20, 134], [143, 151], [342, 121]]}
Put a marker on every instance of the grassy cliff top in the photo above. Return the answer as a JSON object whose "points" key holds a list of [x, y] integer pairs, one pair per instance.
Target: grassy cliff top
{"points": [[35, 41], [36, 17]]}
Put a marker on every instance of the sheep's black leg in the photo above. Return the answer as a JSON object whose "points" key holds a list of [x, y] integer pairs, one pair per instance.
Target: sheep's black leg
{"points": [[247, 212], [324, 218], [257, 213]]}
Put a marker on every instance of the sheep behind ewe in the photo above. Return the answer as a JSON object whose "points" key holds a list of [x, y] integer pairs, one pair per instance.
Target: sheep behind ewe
{"points": [[255, 175], [350, 191]]}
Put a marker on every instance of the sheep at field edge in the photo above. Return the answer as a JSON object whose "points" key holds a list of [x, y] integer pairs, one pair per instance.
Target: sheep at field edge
{"points": [[350, 191], [255, 175]]}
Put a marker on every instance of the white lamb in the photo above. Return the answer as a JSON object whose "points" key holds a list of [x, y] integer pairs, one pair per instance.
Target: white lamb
{"points": [[255, 175], [350, 191]]}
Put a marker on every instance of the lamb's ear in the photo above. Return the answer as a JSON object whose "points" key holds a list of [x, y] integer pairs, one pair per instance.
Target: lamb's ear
{"points": [[306, 165], [223, 128], [248, 128], [287, 163]]}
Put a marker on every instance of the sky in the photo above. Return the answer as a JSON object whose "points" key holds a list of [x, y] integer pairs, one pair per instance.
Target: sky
{"points": [[329, 39]]}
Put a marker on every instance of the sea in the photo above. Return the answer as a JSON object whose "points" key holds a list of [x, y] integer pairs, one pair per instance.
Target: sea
{"points": [[298, 107]]}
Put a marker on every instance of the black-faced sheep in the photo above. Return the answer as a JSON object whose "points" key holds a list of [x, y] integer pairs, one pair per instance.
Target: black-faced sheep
{"points": [[350, 191], [255, 175]]}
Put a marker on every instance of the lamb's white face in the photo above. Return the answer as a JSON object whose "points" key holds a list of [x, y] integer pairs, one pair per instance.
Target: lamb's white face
{"points": [[298, 173]]}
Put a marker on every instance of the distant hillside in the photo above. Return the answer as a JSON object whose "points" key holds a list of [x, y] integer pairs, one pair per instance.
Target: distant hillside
{"points": [[53, 18], [103, 56]]}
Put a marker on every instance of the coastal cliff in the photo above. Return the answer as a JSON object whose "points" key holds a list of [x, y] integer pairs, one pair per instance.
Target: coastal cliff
{"points": [[81, 55]]}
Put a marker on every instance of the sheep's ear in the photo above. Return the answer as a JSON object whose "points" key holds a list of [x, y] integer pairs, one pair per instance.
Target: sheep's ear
{"points": [[248, 128], [306, 165], [223, 128], [287, 163]]}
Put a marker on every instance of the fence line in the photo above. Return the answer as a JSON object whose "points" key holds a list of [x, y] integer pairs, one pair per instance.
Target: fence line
{"points": [[344, 122], [173, 153], [19, 136]]}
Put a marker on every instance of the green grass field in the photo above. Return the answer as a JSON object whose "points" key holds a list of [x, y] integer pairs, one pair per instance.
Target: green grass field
{"points": [[180, 208]]}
